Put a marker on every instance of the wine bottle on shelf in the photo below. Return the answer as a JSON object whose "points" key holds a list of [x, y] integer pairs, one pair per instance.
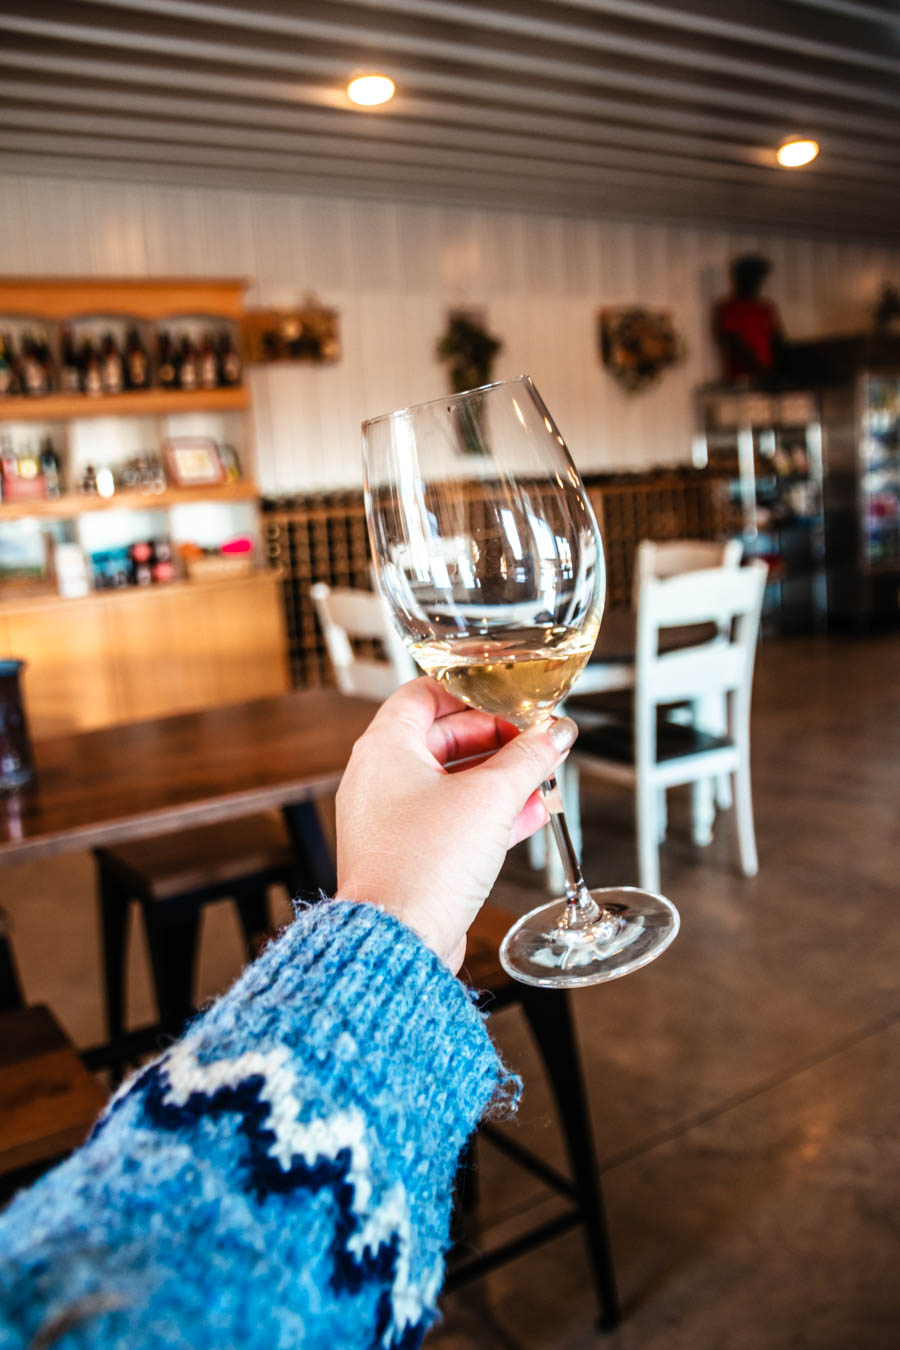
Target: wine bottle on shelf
{"points": [[166, 372], [70, 375], [137, 367], [229, 360], [8, 380], [188, 371], [112, 369], [34, 373], [45, 360], [208, 363], [50, 468], [92, 375]]}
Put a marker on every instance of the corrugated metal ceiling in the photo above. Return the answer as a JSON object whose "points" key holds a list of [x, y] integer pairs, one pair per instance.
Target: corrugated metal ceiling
{"points": [[590, 106]]}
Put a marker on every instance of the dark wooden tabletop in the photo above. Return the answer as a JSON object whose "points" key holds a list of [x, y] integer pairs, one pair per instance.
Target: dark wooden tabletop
{"points": [[146, 778]]}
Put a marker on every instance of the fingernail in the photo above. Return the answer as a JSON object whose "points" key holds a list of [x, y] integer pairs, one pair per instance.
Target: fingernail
{"points": [[562, 733]]}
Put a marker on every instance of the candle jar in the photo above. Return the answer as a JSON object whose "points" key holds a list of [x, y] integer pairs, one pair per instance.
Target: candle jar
{"points": [[16, 761]]}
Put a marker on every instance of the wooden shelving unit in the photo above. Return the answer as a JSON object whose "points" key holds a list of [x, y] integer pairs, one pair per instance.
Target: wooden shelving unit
{"points": [[72, 504], [60, 299], [139, 403], [118, 655]]}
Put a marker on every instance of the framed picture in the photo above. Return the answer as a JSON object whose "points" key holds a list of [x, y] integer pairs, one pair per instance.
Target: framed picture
{"points": [[193, 461]]}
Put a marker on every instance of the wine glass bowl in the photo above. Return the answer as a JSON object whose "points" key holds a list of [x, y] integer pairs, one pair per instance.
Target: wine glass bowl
{"points": [[488, 555], [491, 564]]}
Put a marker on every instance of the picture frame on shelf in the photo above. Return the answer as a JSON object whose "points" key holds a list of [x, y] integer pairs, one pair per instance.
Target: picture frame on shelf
{"points": [[193, 461]]}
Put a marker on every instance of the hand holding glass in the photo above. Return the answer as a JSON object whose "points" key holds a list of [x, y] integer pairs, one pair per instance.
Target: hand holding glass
{"points": [[489, 558]]}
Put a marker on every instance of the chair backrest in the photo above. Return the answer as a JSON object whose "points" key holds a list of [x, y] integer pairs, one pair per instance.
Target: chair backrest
{"points": [[347, 615], [723, 664], [668, 558]]}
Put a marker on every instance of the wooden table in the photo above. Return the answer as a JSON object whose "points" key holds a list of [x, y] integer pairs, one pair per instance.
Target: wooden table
{"points": [[148, 778]]}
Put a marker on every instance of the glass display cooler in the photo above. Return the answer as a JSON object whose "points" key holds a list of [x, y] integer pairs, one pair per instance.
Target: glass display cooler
{"points": [[861, 426], [768, 447]]}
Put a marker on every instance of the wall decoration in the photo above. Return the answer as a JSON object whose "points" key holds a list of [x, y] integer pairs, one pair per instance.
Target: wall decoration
{"points": [[309, 333], [637, 345], [193, 461], [468, 349]]}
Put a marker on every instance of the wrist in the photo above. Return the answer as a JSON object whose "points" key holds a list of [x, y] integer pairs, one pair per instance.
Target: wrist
{"points": [[449, 947]]}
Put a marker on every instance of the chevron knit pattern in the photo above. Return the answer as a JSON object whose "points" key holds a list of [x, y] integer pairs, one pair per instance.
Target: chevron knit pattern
{"points": [[280, 1177]]}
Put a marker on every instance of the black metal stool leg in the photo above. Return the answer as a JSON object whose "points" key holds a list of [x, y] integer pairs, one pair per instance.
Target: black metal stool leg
{"points": [[10, 984], [314, 859], [463, 1226], [255, 916], [550, 1018], [115, 914], [172, 938]]}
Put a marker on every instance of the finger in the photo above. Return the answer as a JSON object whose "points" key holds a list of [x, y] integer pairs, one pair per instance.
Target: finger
{"points": [[462, 734], [529, 760], [533, 816], [416, 706]]}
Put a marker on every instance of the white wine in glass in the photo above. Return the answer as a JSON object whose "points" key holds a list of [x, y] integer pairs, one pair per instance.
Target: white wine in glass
{"points": [[488, 555]]}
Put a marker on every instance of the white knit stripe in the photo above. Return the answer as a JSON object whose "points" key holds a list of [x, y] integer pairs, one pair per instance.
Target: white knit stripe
{"points": [[323, 1138]]}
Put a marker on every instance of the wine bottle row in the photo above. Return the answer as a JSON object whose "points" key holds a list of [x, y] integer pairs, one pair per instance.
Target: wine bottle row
{"points": [[95, 368]]}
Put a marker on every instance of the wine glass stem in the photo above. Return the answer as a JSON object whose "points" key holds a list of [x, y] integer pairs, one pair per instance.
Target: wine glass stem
{"points": [[581, 907]]}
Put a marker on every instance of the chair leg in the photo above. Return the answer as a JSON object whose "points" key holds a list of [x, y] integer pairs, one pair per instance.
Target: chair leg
{"points": [[662, 815], [647, 836], [550, 1018], [743, 801], [172, 938], [115, 917], [256, 919], [703, 812]]}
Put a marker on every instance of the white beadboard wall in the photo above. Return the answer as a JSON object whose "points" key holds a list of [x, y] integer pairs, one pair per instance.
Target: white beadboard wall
{"points": [[392, 270]]}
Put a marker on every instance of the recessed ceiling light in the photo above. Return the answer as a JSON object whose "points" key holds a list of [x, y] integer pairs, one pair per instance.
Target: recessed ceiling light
{"points": [[370, 90], [795, 153]]}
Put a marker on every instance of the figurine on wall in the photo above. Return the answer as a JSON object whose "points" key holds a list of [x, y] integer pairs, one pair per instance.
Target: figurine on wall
{"points": [[747, 326]]}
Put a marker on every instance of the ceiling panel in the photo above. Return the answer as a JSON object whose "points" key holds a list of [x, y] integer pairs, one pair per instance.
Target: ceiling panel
{"points": [[588, 106]]}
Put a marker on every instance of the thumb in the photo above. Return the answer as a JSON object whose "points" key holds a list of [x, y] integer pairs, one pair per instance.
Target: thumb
{"points": [[529, 759]]}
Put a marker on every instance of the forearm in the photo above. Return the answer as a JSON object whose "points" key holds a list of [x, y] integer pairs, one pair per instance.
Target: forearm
{"points": [[283, 1173]]}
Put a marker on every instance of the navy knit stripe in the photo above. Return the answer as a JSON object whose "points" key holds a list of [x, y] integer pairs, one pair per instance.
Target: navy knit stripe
{"points": [[265, 1176]]}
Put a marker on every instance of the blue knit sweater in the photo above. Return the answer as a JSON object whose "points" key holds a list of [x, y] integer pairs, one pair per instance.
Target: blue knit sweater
{"points": [[282, 1176]]}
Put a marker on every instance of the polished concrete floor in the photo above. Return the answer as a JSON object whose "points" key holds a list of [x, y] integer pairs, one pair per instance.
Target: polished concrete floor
{"points": [[744, 1088]]}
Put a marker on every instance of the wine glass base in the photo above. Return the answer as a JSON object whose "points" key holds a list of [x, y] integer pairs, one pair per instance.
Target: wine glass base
{"points": [[634, 927]]}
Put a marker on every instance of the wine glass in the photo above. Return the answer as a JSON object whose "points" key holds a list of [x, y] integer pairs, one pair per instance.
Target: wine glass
{"points": [[488, 555]]}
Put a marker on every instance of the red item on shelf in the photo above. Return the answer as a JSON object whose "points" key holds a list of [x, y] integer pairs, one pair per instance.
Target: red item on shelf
{"points": [[240, 545]]}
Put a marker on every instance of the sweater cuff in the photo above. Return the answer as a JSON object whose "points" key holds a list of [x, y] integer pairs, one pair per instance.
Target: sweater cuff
{"points": [[357, 995]]}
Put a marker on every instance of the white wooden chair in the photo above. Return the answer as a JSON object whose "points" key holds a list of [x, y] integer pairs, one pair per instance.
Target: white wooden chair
{"points": [[354, 615], [670, 558], [652, 753]]}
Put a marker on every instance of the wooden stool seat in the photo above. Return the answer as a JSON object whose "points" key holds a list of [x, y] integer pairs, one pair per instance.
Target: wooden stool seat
{"points": [[205, 856], [48, 1100], [171, 877]]}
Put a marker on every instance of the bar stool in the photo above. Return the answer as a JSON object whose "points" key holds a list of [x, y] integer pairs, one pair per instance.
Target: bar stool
{"points": [[48, 1099], [171, 877], [550, 1020]]}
